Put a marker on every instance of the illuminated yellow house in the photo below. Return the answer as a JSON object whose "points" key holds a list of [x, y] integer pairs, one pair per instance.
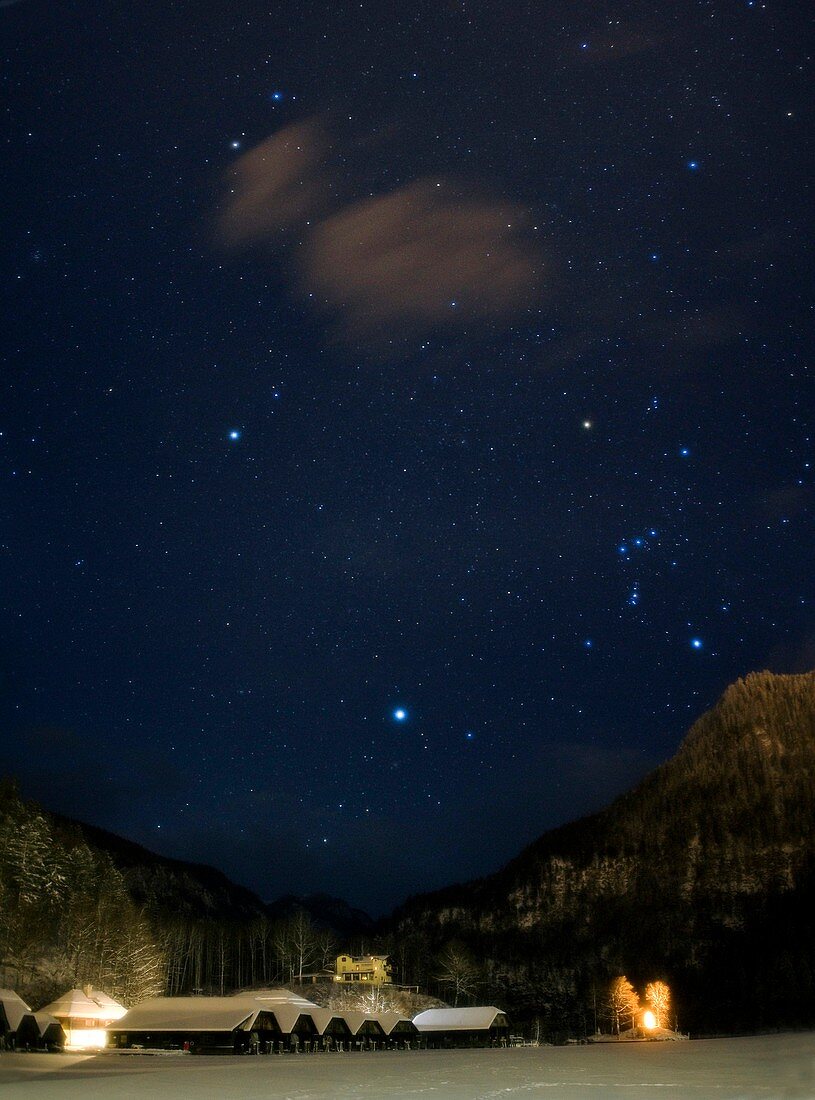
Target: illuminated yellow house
{"points": [[373, 969]]}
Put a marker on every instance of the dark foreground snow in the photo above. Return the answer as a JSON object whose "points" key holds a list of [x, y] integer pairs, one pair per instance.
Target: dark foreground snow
{"points": [[769, 1067]]}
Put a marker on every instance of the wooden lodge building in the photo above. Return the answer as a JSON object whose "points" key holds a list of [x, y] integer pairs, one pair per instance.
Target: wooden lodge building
{"points": [[84, 1015], [277, 1020], [462, 1027], [267, 1020], [263, 1021]]}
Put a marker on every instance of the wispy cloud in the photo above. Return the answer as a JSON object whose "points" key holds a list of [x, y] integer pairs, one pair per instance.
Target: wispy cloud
{"points": [[278, 186], [427, 255], [421, 256]]}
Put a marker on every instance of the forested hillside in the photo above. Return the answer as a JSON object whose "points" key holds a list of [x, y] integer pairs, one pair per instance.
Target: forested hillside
{"points": [[66, 915], [79, 904], [702, 876]]}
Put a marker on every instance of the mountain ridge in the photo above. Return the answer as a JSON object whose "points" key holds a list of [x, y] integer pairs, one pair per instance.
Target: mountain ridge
{"points": [[703, 874], [709, 849]]}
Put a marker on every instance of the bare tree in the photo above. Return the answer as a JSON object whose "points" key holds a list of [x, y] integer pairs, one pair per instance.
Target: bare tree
{"points": [[622, 1002], [326, 949], [458, 970], [658, 999], [296, 944]]}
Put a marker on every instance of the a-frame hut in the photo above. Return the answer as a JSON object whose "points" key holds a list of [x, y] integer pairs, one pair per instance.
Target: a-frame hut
{"points": [[52, 1035], [400, 1030], [85, 1016], [21, 1030], [366, 1030]]}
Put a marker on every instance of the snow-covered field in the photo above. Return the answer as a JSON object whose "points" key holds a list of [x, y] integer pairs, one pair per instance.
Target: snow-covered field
{"points": [[715, 1069]]}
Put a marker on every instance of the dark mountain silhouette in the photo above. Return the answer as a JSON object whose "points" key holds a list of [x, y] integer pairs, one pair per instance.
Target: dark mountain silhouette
{"points": [[195, 890], [163, 884], [334, 914], [702, 876]]}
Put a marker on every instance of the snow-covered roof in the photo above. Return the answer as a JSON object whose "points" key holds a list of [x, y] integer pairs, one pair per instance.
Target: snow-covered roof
{"points": [[459, 1019], [104, 1000], [48, 1023], [14, 1007], [189, 1014], [390, 1020], [76, 1005], [323, 1017], [279, 997], [217, 1013], [357, 1020]]}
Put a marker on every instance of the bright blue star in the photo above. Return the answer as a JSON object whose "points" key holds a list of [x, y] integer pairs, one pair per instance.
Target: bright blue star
{"points": [[276, 97], [696, 643], [234, 435], [684, 452], [693, 165], [588, 643], [469, 735], [400, 714]]}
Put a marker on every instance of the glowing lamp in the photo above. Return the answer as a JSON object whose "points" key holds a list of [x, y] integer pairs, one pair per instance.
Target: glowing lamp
{"points": [[87, 1038], [649, 1020]]}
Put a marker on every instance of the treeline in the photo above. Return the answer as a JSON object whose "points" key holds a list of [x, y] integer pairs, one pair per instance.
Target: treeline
{"points": [[214, 956], [704, 874], [66, 916]]}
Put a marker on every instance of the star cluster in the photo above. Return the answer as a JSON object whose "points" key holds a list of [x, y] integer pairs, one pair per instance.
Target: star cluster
{"points": [[405, 412]]}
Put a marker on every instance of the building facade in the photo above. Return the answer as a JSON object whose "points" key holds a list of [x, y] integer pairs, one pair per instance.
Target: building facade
{"points": [[372, 969]]}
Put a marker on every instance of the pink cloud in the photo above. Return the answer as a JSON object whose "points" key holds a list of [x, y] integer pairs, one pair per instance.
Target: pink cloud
{"points": [[275, 187], [421, 256]]}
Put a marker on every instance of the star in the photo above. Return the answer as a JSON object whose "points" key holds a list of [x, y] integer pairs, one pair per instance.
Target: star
{"points": [[587, 424], [234, 435], [400, 714], [276, 97], [696, 643], [693, 165]]}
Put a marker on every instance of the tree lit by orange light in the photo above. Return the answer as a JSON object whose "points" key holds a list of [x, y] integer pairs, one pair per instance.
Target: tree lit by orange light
{"points": [[658, 999], [622, 1003]]}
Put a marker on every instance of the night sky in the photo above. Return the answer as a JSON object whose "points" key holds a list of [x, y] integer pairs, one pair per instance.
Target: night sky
{"points": [[407, 415]]}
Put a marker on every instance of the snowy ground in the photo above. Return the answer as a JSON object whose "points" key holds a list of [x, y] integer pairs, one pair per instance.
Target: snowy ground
{"points": [[768, 1067]]}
